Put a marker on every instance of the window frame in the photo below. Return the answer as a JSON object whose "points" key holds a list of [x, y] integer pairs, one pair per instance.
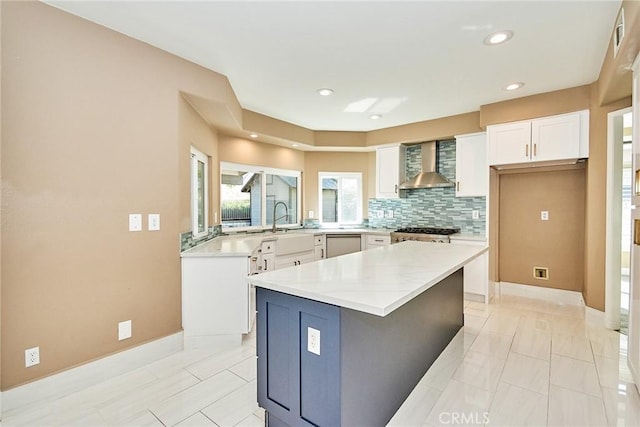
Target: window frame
{"points": [[340, 176], [198, 156], [264, 171]]}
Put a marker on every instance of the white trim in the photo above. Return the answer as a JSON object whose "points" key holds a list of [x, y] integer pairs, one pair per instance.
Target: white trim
{"points": [[81, 377], [613, 223], [561, 296], [197, 157], [339, 176]]}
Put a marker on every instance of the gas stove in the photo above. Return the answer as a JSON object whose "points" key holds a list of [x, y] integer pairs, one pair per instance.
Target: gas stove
{"points": [[424, 234]]}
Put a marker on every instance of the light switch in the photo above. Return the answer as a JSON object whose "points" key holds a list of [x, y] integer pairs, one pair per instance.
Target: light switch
{"points": [[389, 213], [313, 341], [135, 222], [311, 214], [475, 214], [544, 215], [154, 222]]}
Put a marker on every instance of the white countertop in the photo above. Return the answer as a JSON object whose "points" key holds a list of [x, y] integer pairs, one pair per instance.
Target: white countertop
{"points": [[376, 281], [245, 244]]}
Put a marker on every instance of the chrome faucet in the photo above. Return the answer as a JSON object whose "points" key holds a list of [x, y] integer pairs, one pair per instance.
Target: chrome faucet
{"points": [[286, 215]]}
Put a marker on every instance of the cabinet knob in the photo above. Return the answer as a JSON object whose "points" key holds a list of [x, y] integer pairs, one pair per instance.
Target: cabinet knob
{"points": [[457, 185]]}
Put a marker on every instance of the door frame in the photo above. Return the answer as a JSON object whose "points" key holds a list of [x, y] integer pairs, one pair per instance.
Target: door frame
{"points": [[613, 230]]}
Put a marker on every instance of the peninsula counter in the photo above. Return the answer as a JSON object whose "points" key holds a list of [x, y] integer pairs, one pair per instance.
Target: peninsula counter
{"points": [[343, 341]]}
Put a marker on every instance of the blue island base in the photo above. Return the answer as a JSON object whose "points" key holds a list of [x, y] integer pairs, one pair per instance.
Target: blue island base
{"points": [[357, 369]]}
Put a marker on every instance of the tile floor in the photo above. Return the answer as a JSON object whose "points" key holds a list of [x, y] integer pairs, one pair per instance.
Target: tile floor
{"points": [[517, 361]]}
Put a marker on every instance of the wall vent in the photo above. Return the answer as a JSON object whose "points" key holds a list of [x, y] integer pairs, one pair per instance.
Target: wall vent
{"points": [[541, 273]]}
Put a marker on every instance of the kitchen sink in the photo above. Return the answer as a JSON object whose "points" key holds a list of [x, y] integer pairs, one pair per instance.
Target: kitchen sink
{"points": [[293, 243]]}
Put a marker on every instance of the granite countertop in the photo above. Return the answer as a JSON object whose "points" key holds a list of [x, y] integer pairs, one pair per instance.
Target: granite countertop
{"points": [[244, 244], [376, 281]]}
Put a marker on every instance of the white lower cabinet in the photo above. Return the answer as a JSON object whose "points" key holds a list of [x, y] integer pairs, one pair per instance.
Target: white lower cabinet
{"points": [[291, 260], [476, 274], [319, 247], [216, 298], [377, 240]]}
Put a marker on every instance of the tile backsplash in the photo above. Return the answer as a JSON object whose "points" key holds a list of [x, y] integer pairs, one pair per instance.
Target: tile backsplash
{"points": [[430, 206]]}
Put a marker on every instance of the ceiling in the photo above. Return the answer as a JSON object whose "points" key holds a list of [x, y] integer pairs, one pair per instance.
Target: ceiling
{"points": [[427, 57]]}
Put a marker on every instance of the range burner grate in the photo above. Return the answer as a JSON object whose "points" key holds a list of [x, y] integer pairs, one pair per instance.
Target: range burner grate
{"points": [[446, 231]]}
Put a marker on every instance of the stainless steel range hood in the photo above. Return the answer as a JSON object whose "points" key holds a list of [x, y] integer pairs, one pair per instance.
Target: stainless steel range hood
{"points": [[428, 176]]}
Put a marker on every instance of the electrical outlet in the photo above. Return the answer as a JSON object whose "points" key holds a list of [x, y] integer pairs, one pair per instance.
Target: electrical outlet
{"points": [[153, 222], [313, 341], [311, 214], [544, 215], [124, 330], [135, 222], [380, 214], [389, 213], [31, 357], [475, 214]]}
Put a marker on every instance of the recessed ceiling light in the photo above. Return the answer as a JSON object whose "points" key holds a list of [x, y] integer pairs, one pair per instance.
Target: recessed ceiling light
{"points": [[324, 91], [498, 37], [253, 135], [513, 86], [375, 116]]}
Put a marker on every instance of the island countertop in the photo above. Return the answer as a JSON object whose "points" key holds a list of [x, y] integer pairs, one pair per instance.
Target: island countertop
{"points": [[375, 281]]}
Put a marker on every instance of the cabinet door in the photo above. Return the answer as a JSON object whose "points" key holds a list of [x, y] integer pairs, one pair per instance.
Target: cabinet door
{"points": [[509, 143], [472, 170], [267, 262], [556, 138], [390, 171]]}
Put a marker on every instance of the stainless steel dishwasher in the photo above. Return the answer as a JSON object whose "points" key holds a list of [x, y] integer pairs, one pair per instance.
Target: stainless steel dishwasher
{"points": [[341, 244]]}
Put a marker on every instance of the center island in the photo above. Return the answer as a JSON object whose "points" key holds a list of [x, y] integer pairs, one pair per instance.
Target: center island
{"points": [[343, 341]]}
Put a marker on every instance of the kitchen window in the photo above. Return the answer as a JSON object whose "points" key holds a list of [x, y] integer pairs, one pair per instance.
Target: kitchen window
{"points": [[248, 195], [199, 193], [340, 197]]}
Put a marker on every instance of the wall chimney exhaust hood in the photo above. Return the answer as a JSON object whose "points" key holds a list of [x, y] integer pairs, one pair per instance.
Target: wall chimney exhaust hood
{"points": [[428, 176]]}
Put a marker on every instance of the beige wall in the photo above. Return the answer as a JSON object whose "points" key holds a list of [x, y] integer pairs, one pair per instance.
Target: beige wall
{"points": [[583, 97], [94, 127], [194, 131], [526, 241], [91, 127], [335, 162], [595, 209]]}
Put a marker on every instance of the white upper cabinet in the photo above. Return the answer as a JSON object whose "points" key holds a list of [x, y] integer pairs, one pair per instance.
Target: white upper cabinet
{"points": [[390, 171], [472, 169], [509, 143], [547, 139]]}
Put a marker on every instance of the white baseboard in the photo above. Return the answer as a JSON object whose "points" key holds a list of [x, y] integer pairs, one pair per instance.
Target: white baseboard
{"points": [[548, 294], [81, 377]]}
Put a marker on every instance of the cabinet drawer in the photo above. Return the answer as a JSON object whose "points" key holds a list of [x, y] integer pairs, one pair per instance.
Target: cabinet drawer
{"points": [[373, 240], [319, 240], [267, 247]]}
